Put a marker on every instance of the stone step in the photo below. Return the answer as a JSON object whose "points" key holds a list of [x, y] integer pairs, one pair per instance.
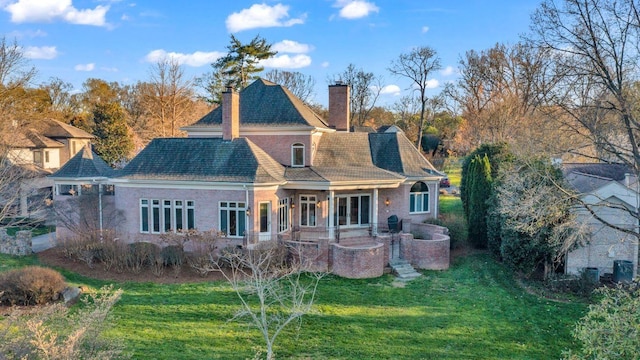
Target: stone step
{"points": [[404, 271]]}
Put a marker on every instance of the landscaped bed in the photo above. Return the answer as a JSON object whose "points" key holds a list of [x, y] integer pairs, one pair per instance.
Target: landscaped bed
{"points": [[473, 310]]}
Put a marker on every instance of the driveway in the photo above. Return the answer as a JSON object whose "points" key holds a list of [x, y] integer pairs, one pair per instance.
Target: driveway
{"points": [[43, 242]]}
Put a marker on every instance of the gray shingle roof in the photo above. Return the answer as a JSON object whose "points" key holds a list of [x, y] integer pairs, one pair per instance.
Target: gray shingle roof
{"points": [[57, 129], [364, 156], [267, 104], [84, 164], [203, 159], [586, 177]]}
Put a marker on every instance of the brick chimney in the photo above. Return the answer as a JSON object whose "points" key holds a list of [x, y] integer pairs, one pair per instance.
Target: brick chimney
{"points": [[339, 107], [230, 114]]}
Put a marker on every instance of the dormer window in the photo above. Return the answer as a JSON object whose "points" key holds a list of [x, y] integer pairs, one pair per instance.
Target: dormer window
{"points": [[297, 154]]}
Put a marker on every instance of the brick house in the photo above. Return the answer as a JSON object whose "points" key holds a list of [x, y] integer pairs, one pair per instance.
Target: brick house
{"points": [[612, 193], [264, 166]]}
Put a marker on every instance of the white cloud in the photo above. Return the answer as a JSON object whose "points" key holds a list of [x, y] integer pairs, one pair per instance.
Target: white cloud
{"points": [[262, 16], [196, 59], [432, 84], [390, 89], [325, 64], [355, 9], [425, 29], [26, 34], [109, 69], [85, 67], [449, 70], [40, 52], [287, 62], [290, 46], [50, 10]]}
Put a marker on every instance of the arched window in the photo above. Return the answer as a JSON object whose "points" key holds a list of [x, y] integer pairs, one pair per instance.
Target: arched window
{"points": [[419, 198], [297, 154]]}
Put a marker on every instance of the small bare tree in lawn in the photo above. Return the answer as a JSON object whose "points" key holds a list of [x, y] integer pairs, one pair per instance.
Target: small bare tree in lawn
{"points": [[273, 288]]}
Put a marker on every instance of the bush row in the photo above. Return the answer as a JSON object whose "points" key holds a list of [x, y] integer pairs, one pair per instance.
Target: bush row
{"points": [[115, 255]]}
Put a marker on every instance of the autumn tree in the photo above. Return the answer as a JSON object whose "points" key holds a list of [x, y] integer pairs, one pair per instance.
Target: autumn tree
{"points": [[237, 68], [113, 141], [417, 66], [365, 90], [300, 85]]}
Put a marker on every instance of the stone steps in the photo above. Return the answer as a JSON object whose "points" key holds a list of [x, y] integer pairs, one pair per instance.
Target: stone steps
{"points": [[403, 270]]}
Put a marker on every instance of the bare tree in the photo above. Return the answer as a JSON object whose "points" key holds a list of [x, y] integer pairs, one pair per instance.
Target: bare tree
{"points": [[417, 66], [169, 95], [16, 177], [278, 285], [592, 88], [15, 76], [365, 90], [302, 86]]}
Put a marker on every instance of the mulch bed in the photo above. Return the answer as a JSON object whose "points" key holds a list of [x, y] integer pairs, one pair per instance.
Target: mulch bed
{"points": [[53, 257]]}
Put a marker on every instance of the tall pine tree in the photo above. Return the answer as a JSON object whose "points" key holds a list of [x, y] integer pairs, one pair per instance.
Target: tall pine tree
{"points": [[113, 141], [479, 192]]}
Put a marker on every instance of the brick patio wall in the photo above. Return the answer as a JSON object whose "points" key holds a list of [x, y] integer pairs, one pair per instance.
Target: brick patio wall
{"points": [[358, 262]]}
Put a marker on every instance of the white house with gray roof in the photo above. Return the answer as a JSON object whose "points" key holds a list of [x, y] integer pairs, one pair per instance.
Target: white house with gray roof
{"points": [[264, 166], [611, 193]]}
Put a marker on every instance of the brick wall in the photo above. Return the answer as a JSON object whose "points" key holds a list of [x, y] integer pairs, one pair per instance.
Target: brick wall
{"points": [[358, 262]]}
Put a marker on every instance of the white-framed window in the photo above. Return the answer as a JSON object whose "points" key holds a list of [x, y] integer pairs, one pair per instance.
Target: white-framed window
{"points": [[307, 210], [283, 215], [297, 154], [155, 216], [166, 212], [37, 157], [191, 214], [178, 215], [46, 156], [419, 198], [233, 218], [144, 215], [352, 210], [162, 216], [67, 190]]}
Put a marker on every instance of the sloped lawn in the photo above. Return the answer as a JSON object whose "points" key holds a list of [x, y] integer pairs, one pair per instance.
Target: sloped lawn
{"points": [[474, 310]]}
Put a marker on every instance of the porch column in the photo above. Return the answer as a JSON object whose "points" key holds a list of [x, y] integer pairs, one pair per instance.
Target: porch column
{"points": [[332, 233], [374, 217]]}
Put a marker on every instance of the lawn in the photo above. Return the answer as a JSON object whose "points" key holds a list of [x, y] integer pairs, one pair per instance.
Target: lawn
{"points": [[473, 310]]}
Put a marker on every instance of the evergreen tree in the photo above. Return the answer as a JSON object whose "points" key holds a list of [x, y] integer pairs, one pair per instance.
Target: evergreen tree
{"points": [[236, 68], [479, 193], [113, 140]]}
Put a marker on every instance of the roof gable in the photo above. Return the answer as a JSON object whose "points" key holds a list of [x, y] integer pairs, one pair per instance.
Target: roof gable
{"points": [[264, 103], [57, 129]]}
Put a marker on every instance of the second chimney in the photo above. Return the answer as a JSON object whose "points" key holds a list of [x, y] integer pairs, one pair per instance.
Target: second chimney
{"points": [[339, 107], [230, 114]]}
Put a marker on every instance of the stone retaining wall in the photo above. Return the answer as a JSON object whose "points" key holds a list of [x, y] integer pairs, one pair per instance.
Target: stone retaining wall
{"points": [[20, 245]]}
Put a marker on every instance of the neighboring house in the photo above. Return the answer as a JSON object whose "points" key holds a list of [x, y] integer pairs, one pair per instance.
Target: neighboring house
{"points": [[43, 151], [612, 193], [263, 166]]}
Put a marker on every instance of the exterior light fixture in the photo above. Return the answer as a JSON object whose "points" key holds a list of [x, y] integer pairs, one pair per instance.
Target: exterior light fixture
{"points": [[387, 202], [249, 211]]}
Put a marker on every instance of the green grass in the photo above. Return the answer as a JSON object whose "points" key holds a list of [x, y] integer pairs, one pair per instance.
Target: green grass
{"points": [[473, 310], [450, 204], [453, 169]]}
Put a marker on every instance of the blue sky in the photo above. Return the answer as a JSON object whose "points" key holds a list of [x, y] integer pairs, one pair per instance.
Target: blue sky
{"points": [[119, 40]]}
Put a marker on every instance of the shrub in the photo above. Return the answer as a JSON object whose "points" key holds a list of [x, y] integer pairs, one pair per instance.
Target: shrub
{"points": [[457, 228], [172, 255], [32, 285], [611, 328], [142, 254], [54, 332]]}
